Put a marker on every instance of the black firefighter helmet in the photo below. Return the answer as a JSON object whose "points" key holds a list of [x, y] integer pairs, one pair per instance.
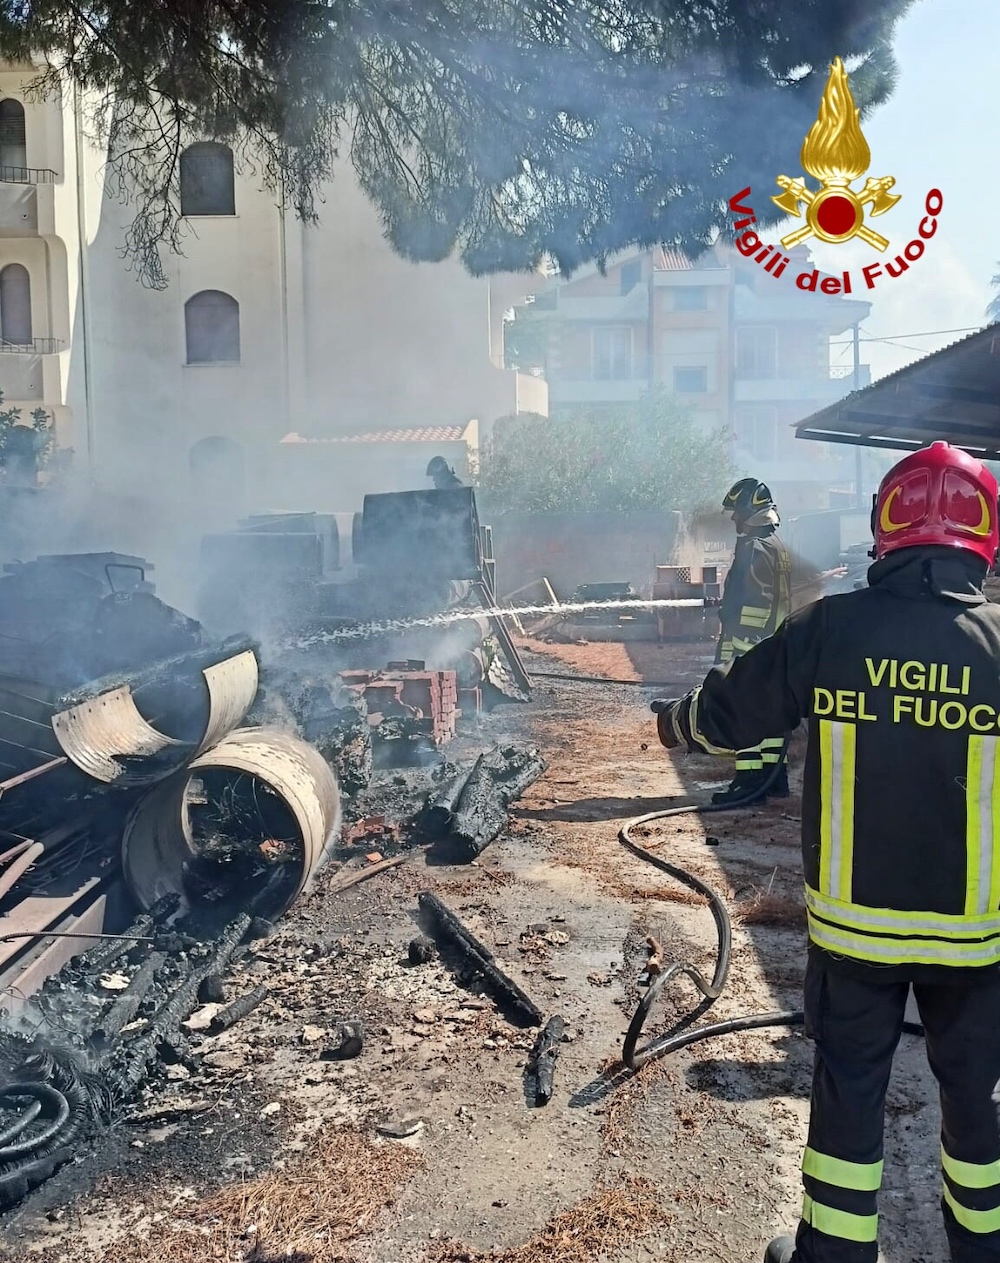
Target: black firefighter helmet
{"points": [[751, 501]]}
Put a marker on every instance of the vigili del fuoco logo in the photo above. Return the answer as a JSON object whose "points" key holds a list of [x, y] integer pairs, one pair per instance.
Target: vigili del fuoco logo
{"points": [[836, 154]]}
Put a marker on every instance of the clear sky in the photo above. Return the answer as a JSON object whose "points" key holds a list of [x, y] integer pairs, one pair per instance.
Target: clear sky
{"points": [[939, 129]]}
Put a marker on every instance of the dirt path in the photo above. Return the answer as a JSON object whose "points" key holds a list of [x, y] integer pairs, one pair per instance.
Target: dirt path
{"points": [[717, 1131]]}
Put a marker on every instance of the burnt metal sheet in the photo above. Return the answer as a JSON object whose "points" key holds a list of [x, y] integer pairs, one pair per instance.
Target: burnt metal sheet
{"points": [[111, 741], [36, 913], [41, 958], [158, 841], [952, 395]]}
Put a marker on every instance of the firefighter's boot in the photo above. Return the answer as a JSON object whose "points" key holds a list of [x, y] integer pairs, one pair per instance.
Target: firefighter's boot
{"points": [[746, 786], [781, 1250]]}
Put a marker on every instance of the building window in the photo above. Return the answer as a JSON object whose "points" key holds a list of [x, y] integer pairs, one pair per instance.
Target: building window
{"points": [[756, 353], [207, 182], [631, 275], [212, 328], [691, 381], [13, 145], [611, 354], [15, 305], [690, 297], [757, 431]]}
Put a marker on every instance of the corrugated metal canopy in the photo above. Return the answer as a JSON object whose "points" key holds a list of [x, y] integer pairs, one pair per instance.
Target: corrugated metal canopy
{"points": [[953, 394]]}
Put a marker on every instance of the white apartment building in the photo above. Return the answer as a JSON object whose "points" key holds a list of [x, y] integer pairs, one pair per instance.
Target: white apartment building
{"points": [[738, 349], [268, 327]]}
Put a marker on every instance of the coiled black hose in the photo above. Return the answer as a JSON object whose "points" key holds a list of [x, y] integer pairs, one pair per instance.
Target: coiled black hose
{"points": [[634, 1057], [45, 1095]]}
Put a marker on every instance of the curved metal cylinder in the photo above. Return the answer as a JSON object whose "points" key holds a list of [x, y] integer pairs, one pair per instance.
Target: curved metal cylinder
{"points": [[158, 840], [108, 738]]}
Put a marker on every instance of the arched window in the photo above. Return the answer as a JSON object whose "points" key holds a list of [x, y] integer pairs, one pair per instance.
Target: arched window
{"points": [[212, 328], [15, 305], [207, 182], [13, 149]]}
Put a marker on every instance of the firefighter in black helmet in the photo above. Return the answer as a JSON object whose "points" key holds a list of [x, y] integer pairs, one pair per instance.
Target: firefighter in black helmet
{"points": [[756, 601], [443, 475], [900, 684]]}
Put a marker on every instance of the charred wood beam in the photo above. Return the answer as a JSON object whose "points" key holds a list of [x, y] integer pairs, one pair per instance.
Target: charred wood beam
{"points": [[99, 958], [497, 780], [238, 1010], [126, 1006], [447, 926], [542, 1062], [439, 812], [166, 1020]]}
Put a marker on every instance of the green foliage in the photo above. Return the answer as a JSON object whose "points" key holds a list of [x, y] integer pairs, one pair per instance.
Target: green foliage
{"points": [[993, 310], [20, 444], [502, 129], [652, 455], [526, 338]]}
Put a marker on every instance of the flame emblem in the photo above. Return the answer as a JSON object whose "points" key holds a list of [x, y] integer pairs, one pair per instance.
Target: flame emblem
{"points": [[835, 153], [984, 521], [885, 521]]}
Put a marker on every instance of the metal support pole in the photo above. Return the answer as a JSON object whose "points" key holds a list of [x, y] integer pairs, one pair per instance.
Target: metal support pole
{"points": [[859, 491]]}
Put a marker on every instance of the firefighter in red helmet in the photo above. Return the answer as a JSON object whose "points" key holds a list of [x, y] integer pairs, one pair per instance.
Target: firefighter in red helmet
{"points": [[900, 684]]}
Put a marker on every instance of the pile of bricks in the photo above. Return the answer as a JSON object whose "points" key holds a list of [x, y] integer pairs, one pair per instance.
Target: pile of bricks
{"points": [[429, 697]]}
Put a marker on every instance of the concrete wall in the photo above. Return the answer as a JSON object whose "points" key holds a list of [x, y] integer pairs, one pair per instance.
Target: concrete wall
{"points": [[570, 549]]}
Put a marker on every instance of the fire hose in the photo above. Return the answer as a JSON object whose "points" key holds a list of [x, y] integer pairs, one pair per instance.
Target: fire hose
{"points": [[634, 1057]]}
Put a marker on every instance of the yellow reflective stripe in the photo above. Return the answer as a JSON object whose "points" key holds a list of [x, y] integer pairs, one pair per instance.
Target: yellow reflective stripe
{"points": [[697, 735], [863, 1177], [974, 1220], [982, 805], [982, 825], [913, 951], [837, 747], [847, 810], [839, 1223], [825, 803], [856, 916], [971, 1174], [973, 822]]}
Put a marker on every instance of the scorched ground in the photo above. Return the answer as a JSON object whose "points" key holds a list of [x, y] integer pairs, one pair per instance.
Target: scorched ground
{"points": [[262, 1143]]}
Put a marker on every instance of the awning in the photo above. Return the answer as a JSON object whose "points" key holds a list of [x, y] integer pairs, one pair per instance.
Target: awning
{"points": [[953, 394]]}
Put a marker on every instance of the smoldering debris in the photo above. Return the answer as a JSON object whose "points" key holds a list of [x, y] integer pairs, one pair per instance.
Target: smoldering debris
{"points": [[77, 1055], [476, 960], [472, 810], [170, 770]]}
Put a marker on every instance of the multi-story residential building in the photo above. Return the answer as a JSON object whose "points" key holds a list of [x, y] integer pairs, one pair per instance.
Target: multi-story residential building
{"points": [[267, 327], [742, 350]]}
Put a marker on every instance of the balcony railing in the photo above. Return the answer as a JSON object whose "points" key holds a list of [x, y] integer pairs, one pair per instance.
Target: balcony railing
{"points": [[841, 372], [37, 346], [27, 175]]}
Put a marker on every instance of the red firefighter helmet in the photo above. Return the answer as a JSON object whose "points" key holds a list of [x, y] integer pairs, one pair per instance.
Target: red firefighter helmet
{"points": [[940, 495]]}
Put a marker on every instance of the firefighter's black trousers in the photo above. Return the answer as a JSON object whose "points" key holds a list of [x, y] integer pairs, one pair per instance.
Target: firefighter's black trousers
{"points": [[856, 1026]]}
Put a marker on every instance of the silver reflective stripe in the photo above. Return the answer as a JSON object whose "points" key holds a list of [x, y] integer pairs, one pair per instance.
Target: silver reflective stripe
{"points": [[855, 916], [837, 743], [981, 808], [912, 951]]}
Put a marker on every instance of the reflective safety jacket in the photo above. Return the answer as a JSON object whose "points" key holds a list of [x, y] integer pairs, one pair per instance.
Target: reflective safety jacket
{"points": [[758, 594], [900, 683]]}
